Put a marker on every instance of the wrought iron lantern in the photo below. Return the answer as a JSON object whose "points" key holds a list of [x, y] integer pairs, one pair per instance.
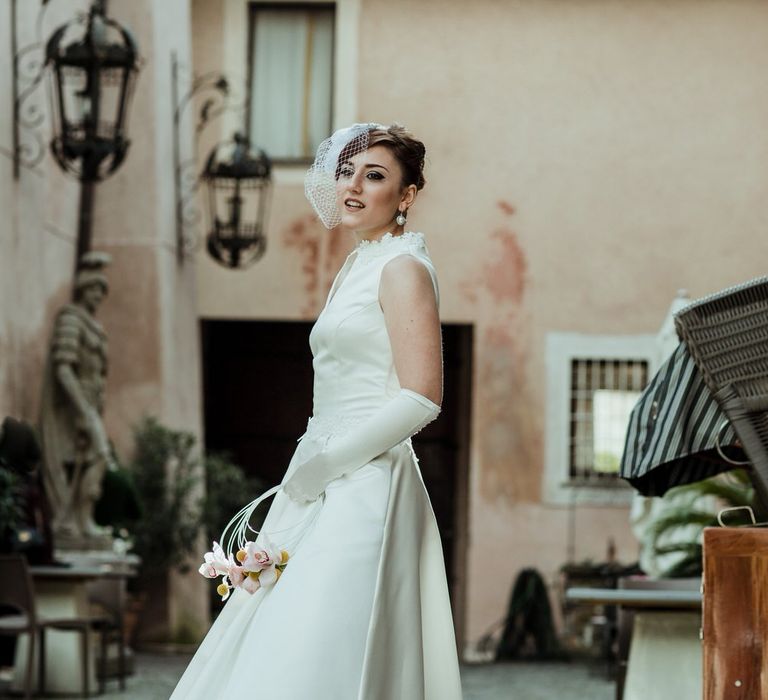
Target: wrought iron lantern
{"points": [[239, 184], [94, 61]]}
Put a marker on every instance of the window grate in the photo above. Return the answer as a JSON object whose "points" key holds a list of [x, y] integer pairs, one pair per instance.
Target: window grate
{"points": [[603, 393]]}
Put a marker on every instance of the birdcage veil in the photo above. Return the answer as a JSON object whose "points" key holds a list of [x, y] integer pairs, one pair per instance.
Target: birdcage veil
{"points": [[320, 181]]}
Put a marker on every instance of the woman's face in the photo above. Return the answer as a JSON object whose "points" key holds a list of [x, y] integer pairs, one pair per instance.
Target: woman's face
{"points": [[370, 192]]}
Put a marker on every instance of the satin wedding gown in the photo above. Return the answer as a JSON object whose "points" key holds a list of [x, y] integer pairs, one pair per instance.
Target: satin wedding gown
{"points": [[361, 612]]}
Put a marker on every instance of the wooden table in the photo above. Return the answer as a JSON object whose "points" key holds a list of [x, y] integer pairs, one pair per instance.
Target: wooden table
{"points": [[61, 592]]}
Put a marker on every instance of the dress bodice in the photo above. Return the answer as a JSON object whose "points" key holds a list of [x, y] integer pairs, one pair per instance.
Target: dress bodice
{"points": [[354, 373]]}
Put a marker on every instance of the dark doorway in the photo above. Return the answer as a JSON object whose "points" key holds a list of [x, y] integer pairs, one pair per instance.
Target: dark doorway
{"points": [[257, 389]]}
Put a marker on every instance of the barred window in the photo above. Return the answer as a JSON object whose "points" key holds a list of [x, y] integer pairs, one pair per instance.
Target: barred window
{"points": [[602, 395], [291, 75]]}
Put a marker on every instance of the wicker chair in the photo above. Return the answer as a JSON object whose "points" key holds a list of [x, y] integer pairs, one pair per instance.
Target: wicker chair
{"points": [[727, 335]]}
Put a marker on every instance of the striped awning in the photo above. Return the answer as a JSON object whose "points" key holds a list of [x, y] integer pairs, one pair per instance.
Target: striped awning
{"points": [[673, 431]]}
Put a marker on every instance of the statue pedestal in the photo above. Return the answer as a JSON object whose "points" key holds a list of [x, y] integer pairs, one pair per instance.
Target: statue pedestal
{"points": [[105, 560], [81, 545]]}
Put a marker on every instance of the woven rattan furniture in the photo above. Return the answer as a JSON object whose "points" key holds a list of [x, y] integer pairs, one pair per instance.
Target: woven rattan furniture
{"points": [[727, 335]]}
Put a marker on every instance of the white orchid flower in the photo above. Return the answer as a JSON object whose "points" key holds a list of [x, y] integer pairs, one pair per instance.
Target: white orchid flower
{"points": [[215, 563], [263, 557]]}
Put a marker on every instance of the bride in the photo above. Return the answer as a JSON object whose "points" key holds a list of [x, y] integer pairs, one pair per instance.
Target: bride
{"points": [[357, 606]]}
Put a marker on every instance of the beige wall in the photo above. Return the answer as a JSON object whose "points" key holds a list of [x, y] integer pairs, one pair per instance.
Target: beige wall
{"points": [[586, 160], [150, 314], [158, 369], [597, 156], [37, 234]]}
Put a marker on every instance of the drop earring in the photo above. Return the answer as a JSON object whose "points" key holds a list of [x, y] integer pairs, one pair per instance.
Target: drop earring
{"points": [[400, 220]]}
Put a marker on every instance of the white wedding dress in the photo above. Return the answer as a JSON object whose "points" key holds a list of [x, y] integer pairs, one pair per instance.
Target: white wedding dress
{"points": [[361, 612]]}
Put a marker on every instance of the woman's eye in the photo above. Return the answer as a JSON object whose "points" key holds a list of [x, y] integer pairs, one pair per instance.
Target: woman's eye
{"points": [[374, 175], [346, 172]]}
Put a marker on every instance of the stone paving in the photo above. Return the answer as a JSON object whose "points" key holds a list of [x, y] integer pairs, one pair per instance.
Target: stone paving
{"points": [[156, 676]]}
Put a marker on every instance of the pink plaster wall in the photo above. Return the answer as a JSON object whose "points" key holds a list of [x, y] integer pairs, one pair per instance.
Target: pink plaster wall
{"points": [[150, 314], [37, 217], [586, 159]]}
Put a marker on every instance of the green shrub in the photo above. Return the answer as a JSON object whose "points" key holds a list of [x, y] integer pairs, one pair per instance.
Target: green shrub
{"points": [[227, 490], [167, 475], [11, 503], [119, 505], [730, 490]]}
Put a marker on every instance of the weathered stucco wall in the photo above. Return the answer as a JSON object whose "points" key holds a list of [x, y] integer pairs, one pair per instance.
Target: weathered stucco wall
{"points": [[585, 160], [39, 218], [296, 241], [150, 314], [154, 312]]}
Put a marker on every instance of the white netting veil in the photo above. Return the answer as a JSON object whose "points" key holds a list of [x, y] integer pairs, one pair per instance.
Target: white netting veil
{"points": [[320, 181]]}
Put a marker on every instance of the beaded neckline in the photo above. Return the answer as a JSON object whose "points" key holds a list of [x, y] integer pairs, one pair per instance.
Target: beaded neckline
{"points": [[387, 242]]}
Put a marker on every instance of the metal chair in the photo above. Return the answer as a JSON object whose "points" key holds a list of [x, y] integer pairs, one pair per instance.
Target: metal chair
{"points": [[16, 592], [16, 589], [108, 596]]}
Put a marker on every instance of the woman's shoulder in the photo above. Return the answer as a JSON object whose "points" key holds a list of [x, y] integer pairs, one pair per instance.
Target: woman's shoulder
{"points": [[410, 269]]}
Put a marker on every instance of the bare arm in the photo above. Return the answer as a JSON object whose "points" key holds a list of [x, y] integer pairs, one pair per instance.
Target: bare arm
{"points": [[408, 300]]}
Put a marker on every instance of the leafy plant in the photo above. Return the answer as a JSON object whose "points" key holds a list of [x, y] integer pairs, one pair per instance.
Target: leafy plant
{"points": [[167, 475], [227, 490], [119, 506], [730, 490], [11, 503]]}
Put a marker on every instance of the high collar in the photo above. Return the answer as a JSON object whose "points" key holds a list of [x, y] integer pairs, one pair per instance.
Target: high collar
{"points": [[388, 243]]}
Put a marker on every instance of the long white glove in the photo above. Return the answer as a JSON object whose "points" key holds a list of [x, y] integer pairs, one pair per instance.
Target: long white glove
{"points": [[393, 423]]}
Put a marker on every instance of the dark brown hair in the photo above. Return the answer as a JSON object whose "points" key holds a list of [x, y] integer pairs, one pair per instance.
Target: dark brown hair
{"points": [[408, 150]]}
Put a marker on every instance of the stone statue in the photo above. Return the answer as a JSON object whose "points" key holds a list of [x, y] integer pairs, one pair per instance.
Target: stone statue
{"points": [[76, 451]]}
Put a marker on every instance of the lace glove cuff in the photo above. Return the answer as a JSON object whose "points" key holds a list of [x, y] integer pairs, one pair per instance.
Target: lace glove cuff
{"points": [[393, 423]]}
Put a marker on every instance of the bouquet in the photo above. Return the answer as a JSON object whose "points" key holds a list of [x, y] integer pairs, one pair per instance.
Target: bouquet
{"points": [[254, 566]]}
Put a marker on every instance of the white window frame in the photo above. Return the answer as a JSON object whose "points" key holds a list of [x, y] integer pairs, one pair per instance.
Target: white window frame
{"points": [[561, 350], [345, 67]]}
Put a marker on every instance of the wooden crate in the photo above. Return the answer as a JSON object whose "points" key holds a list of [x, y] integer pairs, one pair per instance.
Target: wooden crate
{"points": [[735, 613]]}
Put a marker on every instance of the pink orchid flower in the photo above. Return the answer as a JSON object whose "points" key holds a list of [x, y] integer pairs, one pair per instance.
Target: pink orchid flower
{"points": [[251, 585], [263, 557], [257, 558], [236, 573]]}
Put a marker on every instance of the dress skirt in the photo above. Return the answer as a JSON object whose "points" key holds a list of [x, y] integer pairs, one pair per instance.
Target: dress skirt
{"points": [[361, 611]]}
